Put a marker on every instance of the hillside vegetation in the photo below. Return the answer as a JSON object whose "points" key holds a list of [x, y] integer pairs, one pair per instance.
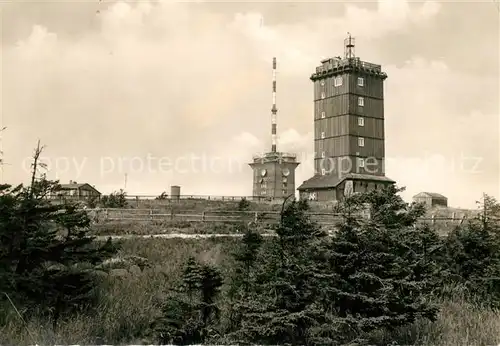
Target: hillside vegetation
{"points": [[377, 281], [142, 217]]}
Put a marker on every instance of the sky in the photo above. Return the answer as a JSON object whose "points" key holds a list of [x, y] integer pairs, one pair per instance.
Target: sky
{"points": [[145, 95]]}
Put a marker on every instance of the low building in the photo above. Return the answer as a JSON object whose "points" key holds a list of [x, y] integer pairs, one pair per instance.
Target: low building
{"points": [[78, 191], [431, 199], [330, 188]]}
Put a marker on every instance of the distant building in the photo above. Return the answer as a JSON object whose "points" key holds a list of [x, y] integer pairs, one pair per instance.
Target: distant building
{"points": [[274, 175], [431, 199], [349, 138], [77, 191]]}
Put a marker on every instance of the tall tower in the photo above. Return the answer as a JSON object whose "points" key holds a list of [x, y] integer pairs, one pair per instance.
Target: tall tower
{"points": [[274, 172], [349, 138]]}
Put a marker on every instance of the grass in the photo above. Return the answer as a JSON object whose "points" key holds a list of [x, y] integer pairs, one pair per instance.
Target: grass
{"points": [[200, 205], [129, 227], [159, 227], [128, 305]]}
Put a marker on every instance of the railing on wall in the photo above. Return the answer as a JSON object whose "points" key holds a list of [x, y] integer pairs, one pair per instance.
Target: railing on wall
{"points": [[168, 198]]}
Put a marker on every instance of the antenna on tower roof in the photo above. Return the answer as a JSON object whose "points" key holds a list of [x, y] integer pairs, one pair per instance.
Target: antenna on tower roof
{"points": [[349, 47], [274, 110]]}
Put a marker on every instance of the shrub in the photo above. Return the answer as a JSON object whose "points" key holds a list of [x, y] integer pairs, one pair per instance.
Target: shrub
{"points": [[117, 199], [190, 312], [243, 204], [472, 255], [46, 254]]}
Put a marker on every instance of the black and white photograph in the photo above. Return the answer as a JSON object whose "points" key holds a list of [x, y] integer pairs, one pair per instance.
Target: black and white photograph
{"points": [[250, 172]]}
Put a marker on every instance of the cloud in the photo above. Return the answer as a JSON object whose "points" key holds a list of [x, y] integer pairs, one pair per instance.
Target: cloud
{"points": [[453, 143], [176, 80]]}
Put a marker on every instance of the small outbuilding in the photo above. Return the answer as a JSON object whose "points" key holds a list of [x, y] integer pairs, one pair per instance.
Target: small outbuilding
{"points": [[431, 199], [77, 191]]}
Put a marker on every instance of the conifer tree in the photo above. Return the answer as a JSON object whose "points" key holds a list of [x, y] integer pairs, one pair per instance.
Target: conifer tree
{"points": [[280, 305], [190, 314], [473, 254], [44, 247], [381, 275], [245, 257]]}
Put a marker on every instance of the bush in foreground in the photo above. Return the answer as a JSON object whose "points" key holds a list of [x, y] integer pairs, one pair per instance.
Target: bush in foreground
{"points": [[304, 288], [46, 253], [374, 282]]}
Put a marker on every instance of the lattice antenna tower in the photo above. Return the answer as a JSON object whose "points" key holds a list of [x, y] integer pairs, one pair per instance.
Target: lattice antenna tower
{"points": [[274, 111], [349, 51]]}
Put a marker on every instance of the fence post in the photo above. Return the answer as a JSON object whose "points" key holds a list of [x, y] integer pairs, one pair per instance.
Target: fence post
{"points": [[151, 214], [453, 216], [463, 219], [106, 214], [256, 216], [433, 219], [171, 214], [203, 216], [137, 201]]}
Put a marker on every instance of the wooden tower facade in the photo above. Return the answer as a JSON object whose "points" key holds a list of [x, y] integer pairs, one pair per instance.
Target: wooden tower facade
{"points": [[349, 138]]}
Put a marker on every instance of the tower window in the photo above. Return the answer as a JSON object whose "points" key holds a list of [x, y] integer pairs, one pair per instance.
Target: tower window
{"points": [[284, 192], [361, 121], [361, 81], [322, 135], [323, 171], [361, 162], [322, 95], [323, 154], [361, 101], [322, 115], [322, 83], [337, 81], [361, 142]]}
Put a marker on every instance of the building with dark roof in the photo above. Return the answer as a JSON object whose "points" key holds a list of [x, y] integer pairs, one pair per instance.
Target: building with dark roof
{"points": [[77, 191], [349, 138], [431, 199]]}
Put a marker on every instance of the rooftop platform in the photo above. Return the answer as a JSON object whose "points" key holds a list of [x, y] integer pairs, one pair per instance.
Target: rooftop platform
{"points": [[274, 156], [332, 66]]}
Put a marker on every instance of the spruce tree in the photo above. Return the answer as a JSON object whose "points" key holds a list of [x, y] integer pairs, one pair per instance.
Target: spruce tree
{"points": [[245, 257], [280, 305], [190, 314], [473, 254], [381, 275], [45, 249]]}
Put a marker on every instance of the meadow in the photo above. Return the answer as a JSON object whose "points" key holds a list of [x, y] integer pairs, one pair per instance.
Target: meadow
{"points": [[128, 304], [133, 281], [144, 217]]}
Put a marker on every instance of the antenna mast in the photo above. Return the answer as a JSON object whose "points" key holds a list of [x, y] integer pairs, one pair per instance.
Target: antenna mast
{"points": [[274, 110], [349, 47]]}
